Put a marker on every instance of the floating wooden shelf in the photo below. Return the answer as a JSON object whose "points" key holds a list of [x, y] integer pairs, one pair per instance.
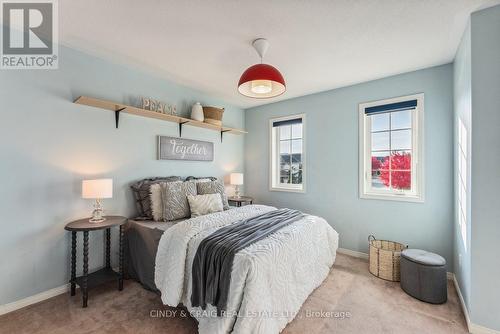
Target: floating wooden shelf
{"points": [[119, 108]]}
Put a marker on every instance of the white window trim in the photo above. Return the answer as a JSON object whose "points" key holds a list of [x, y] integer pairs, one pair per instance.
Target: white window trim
{"points": [[418, 176], [273, 162]]}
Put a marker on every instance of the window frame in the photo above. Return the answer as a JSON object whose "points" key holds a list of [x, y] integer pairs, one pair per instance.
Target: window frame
{"points": [[417, 171], [274, 140]]}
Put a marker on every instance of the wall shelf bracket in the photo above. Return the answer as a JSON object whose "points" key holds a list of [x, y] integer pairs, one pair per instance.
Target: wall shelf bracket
{"points": [[180, 128], [222, 134], [117, 116]]}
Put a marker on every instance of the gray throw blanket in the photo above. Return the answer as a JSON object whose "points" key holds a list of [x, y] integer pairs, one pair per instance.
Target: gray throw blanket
{"points": [[213, 261]]}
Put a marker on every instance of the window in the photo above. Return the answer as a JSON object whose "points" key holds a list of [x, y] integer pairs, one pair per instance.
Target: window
{"points": [[391, 147], [287, 160], [462, 180]]}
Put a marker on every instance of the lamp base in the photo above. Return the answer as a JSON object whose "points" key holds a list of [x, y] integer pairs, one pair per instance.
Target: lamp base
{"points": [[97, 214], [237, 191]]}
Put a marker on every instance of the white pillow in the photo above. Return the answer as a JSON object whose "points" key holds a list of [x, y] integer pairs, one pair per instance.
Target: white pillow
{"points": [[203, 180], [155, 191], [204, 204]]}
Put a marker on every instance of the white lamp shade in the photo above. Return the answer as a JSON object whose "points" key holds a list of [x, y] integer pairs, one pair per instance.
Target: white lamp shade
{"points": [[236, 179], [101, 188]]}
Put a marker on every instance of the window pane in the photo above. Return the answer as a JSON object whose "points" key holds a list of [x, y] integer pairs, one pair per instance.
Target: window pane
{"points": [[462, 197], [284, 159], [380, 160], [401, 180], [297, 146], [380, 141], [401, 140], [378, 181], [462, 137], [285, 168], [380, 122], [297, 159], [285, 147], [296, 176], [285, 131], [462, 167], [401, 160], [401, 120], [285, 176], [297, 130]]}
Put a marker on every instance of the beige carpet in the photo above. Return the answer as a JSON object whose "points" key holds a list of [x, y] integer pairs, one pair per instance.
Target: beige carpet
{"points": [[374, 306]]}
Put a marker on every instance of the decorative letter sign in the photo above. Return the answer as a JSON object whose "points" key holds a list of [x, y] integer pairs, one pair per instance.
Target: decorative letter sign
{"points": [[170, 148]]}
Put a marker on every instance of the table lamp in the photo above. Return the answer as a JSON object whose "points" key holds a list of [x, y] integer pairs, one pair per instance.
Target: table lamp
{"points": [[236, 179], [97, 189]]}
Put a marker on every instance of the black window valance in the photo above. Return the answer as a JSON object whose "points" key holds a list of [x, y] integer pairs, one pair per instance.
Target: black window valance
{"points": [[398, 106], [287, 122]]}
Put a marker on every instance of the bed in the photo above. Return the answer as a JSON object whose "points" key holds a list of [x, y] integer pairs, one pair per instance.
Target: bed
{"points": [[269, 281]]}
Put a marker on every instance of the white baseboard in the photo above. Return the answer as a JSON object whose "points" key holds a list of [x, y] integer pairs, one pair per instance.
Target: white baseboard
{"points": [[462, 302], [473, 328], [478, 329], [6, 308], [349, 252]]}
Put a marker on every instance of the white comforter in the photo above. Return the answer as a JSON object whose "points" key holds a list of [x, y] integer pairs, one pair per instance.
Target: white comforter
{"points": [[270, 279]]}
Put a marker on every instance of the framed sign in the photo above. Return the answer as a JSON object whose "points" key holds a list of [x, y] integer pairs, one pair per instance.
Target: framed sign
{"points": [[171, 148]]}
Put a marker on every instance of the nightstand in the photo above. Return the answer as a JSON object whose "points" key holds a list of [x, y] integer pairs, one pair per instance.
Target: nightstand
{"points": [[240, 201], [106, 274]]}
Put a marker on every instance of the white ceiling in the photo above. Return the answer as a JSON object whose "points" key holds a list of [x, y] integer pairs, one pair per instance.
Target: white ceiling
{"points": [[316, 44]]}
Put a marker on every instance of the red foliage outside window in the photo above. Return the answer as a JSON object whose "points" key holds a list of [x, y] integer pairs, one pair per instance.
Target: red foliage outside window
{"points": [[401, 171], [376, 163]]}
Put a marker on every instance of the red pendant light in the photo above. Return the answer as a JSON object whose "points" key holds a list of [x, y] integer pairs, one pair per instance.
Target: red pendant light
{"points": [[261, 81]]}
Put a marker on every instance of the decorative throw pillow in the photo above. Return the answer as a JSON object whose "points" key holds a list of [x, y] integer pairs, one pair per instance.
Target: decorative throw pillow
{"points": [[201, 179], [175, 202], [213, 187], [141, 191], [204, 204], [156, 201]]}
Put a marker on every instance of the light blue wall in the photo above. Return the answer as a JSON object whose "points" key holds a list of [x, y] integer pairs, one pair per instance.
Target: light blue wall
{"points": [[48, 145], [462, 111], [332, 163], [485, 294]]}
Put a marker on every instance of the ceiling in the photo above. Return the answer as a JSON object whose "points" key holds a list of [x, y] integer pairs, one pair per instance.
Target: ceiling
{"points": [[317, 44]]}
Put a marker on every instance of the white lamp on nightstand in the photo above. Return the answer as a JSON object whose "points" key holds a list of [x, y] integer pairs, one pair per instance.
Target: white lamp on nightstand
{"points": [[236, 179], [97, 189]]}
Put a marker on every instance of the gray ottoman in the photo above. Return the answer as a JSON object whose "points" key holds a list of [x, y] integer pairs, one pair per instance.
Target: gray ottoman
{"points": [[423, 275]]}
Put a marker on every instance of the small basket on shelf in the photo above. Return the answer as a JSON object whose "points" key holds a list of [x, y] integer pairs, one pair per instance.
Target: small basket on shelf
{"points": [[384, 258], [213, 115]]}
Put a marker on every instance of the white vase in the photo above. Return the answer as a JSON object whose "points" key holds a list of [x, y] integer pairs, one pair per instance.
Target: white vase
{"points": [[197, 112]]}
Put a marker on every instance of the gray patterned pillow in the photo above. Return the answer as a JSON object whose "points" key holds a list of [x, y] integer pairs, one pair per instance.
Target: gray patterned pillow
{"points": [[204, 204], [213, 187], [195, 178], [141, 191], [175, 202]]}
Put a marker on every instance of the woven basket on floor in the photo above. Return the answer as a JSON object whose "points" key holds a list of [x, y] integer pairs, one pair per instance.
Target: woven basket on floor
{"points": [[385, 258], [213, 115]]}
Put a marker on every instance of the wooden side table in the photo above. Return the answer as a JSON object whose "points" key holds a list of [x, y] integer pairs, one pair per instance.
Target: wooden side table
{"points": [[239, 201], [105, 274]]}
